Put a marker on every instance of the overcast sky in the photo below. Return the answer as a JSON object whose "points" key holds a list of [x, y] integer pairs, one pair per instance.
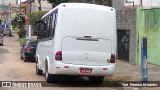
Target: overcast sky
{"points": [[147, 2]]}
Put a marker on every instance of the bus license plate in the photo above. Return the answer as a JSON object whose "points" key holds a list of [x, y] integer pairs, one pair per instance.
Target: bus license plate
{"points": [[85, 70]]}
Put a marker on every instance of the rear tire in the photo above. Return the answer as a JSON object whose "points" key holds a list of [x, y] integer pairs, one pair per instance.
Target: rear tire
{"points": [[96, 79], [38, 71], [21, 57], [49, 77], [25, 59]]}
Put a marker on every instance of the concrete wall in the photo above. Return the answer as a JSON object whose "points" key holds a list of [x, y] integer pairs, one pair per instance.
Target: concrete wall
{"points": [[148, 25], [126, 20]]}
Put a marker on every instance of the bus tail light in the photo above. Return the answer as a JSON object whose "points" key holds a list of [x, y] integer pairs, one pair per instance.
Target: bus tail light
{"points": [[58, 56], [113, 58]]}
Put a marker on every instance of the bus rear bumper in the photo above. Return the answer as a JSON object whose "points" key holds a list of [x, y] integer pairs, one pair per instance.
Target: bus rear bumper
{"points": [[84, 70]]}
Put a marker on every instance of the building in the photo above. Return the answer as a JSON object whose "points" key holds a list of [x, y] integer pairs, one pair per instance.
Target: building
{"points": [[29, 6], [7, 10], [41, 5], [136, 20], [144, 3]]}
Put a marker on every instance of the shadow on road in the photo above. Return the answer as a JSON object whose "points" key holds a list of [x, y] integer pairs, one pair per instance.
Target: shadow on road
{"points": [[81, 82]]}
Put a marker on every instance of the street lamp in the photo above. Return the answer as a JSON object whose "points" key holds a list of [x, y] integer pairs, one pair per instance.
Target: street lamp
{"points": [[141, 3]]}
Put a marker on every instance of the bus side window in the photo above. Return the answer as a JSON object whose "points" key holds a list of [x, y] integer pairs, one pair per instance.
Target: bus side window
{"points": [[44, 29], [52, 28], [54, 21]]}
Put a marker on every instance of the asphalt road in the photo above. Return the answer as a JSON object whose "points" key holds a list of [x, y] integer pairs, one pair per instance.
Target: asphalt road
{"points": [[12, 68]]}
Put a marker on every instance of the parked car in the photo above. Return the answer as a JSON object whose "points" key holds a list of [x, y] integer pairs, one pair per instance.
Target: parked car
{"points": [[28, 51], [1, 39], [7, 31]]}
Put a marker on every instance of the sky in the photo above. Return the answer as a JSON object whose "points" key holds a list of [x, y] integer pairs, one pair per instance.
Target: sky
{"points": [[146, 2]]}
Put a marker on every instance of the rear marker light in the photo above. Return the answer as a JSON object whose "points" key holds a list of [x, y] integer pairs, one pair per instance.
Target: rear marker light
{"points": [[113, 58], [104, 68], [58, 56]]}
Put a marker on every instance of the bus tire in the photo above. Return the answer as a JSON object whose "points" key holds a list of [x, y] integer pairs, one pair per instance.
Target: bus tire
{"points": [[25, 59], [38, 71], [96, 79], [50, 78]]}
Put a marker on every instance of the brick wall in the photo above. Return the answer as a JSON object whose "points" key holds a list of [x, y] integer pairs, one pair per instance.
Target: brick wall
{"points": [[126, 20]]}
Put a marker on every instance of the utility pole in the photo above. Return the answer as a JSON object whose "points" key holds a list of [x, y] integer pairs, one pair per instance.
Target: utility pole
{"points": [[20, 5], [10, 19], [141, 2], [40, 7], [9, 11]]}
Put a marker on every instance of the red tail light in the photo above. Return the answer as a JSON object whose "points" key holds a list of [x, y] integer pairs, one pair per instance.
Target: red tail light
{"points": [[113, 58], [27, 49], [58, 56]]}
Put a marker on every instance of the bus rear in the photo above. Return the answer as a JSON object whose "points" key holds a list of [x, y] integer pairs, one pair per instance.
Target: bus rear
{"points": [[88, 40]]}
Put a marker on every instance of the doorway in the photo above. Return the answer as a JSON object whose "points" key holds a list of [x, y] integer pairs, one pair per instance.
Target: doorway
{"points": [[123, 44]]}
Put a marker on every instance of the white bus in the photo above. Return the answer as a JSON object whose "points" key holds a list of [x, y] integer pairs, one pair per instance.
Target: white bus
{"points": [[77, 39]]}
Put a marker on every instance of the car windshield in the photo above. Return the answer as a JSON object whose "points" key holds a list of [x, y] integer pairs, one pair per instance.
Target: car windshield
{"points": [[33, 44]]}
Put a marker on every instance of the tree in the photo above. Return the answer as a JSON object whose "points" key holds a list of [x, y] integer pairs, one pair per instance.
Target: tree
{"points": [[35, 16], [56, 2], [19, 20]]}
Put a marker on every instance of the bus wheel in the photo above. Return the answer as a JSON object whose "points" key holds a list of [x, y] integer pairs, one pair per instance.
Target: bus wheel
{"points": [[50, 77], [38, 71], [96, 79], [25, 59]]}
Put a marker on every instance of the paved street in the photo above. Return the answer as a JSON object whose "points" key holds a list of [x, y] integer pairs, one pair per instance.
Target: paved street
{"points": [[12, 68]]}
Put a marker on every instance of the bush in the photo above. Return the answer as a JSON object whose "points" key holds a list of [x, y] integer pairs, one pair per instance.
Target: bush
{"points": [[21, 33], [19, 20], [35, 16], [22, 41]]}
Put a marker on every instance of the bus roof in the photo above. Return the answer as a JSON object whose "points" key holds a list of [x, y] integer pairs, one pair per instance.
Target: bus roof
{"points": [[79, 5]]}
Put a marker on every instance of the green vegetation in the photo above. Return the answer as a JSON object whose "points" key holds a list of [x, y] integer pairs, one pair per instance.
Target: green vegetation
{"points": [[21, 33], [19, 20], [35, 16], [22, 41]]}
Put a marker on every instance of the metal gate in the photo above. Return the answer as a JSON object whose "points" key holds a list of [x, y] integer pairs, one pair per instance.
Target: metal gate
{"points": [[123, 45]]}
